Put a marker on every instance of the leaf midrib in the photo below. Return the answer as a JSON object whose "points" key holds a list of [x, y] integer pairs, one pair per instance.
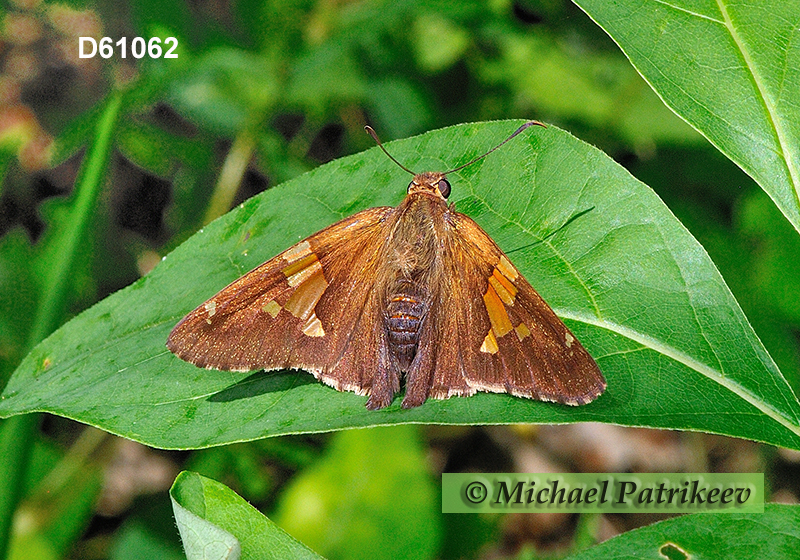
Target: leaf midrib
{"points": [[690, 362], [774, 121]]}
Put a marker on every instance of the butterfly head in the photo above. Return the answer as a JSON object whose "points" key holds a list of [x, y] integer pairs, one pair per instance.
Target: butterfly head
{"points": [[431, 183]]}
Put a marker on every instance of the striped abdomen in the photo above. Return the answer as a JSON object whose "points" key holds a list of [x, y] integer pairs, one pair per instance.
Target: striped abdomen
{"points": [[405, 313]]}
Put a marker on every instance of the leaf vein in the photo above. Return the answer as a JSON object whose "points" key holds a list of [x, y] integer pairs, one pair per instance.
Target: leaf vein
{"points": [[774, 120], [792, 424], [690, 12]]}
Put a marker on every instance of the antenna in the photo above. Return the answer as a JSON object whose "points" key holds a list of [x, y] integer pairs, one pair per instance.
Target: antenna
{"points": [[374, 135], [378, 140], [520, 129]]}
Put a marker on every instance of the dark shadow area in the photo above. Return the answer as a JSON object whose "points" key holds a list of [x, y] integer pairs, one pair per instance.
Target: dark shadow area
{"points": [[261, 383]]}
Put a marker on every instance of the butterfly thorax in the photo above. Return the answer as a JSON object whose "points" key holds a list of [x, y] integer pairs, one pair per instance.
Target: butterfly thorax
{"points": [[412, 249]]}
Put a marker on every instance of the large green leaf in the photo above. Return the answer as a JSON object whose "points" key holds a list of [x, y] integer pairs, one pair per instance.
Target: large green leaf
{"points": [[730, 69], [706, 536], [216, 524], [629, 280]]}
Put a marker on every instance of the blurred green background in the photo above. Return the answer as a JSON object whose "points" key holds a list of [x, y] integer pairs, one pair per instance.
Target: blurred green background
{"points": [[262, 91]]}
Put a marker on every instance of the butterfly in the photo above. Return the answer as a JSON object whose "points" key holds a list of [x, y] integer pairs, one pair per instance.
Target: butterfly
{"points": [[416, 294]]}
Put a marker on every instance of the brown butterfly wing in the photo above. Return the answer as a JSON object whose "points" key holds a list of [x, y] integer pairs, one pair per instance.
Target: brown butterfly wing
{"points": [[282, 314], [486, 328], [497, 334]]}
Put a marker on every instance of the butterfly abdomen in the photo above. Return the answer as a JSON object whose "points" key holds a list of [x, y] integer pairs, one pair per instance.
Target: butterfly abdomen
{"points": [[404, 316]]}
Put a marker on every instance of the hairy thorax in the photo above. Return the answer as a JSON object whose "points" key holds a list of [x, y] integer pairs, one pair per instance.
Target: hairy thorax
{"points": [[414, 246]]}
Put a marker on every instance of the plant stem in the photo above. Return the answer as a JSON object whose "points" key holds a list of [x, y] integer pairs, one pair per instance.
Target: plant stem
{"points": [[19, 433], [15, 448], [231, 175]]}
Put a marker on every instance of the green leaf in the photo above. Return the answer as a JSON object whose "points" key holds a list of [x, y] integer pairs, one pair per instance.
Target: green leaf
{"points": [[134, 542], [157, 150], [596, 90], [705, 536], [629, 280], [452, 41], [226, 89], [215, 523], [345, 505], [76, 134], [730, 69]]}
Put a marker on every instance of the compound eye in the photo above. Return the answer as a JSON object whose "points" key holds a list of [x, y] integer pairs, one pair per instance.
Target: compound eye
{"points": [[444, 187]]}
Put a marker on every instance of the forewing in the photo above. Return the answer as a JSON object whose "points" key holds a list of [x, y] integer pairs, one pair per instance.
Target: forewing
{"points": [[497, 334], [311, 307]]}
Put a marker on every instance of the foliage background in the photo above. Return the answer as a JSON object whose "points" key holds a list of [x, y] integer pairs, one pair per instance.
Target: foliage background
{"points": [[260, 93]]}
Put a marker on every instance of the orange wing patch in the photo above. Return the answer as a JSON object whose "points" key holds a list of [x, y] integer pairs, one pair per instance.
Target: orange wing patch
{"points": [[522, 331], [498, 316], [304, 273], [273, 308], [489, 345], [507, 269], [501, 292], [503, 287]]}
